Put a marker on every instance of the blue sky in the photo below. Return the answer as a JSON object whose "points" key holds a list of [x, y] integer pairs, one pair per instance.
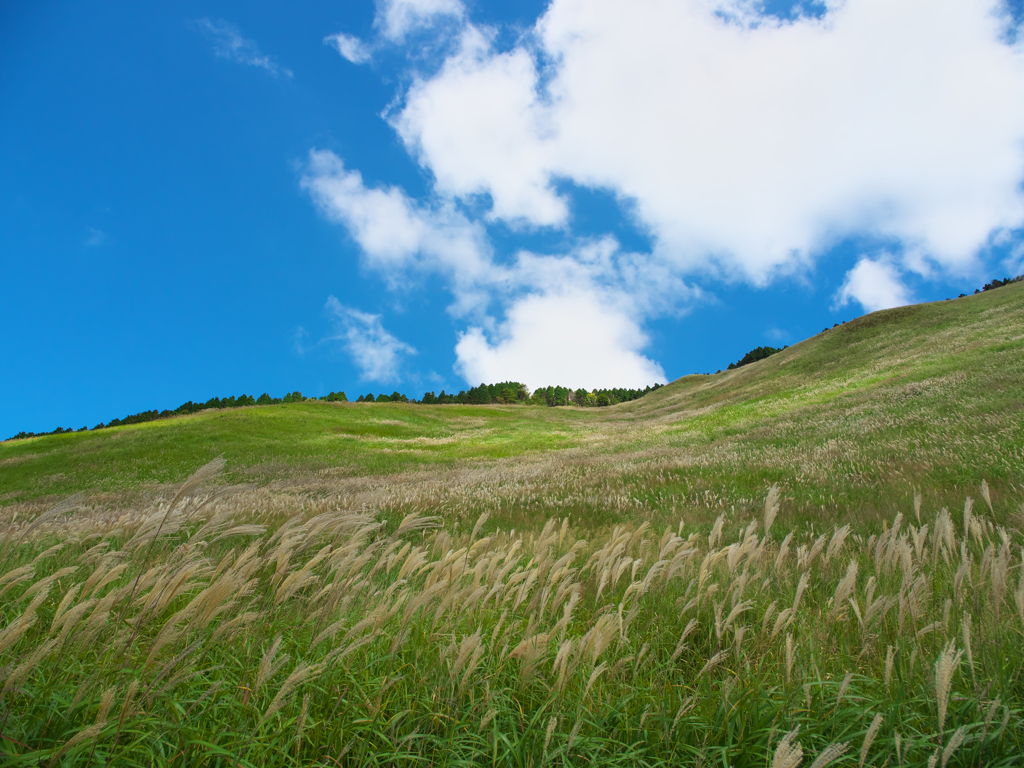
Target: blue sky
{"points": [[203, 199]]}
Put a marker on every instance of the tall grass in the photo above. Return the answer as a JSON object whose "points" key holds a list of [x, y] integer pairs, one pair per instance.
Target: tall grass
{"points": [[206, 632]]}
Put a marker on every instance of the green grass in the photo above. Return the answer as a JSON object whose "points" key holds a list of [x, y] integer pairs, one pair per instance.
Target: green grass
{"points": [[277, 441], [927, 397], [221, 635], [536, 613]]}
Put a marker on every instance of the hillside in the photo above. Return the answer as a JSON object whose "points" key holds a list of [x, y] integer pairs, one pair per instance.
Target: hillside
{"points": [[926, 397], [741, 569]]}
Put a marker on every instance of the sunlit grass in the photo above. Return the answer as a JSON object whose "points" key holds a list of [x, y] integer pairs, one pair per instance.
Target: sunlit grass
{"points": [[860, 416], [683, 579], [209, 631]]}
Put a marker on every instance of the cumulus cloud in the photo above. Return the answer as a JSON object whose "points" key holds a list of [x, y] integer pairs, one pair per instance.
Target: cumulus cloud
{"points": [[228, 43], [874, 284], [350, 47], [573, 312], [376, 353], [744, 145], [747, 144], [577, 338], [499, 144]]}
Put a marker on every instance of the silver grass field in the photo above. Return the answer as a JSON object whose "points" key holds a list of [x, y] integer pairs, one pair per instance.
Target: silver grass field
{"points": [[815, 560], [209, 631]]}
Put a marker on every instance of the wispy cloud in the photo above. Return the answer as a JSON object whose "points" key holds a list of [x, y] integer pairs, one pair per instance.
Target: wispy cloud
{"points": [[95, 237], [1015, 259], [350, 47], [228, 43], [299, 337], [397, 234], [395, 20], [376, 353]]}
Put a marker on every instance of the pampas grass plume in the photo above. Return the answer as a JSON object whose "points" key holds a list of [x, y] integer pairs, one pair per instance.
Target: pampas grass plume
{"points": [[771, 507], [945, 666], [788, 754], [832, 752], [869, 738], [954, 743]]}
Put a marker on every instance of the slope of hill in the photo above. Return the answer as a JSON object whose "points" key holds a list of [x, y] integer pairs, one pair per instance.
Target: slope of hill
{"points": [[665, 582], [926, 397]]}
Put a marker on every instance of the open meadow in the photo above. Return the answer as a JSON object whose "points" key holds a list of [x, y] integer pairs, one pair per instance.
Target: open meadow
{"points": [[817, 557]]}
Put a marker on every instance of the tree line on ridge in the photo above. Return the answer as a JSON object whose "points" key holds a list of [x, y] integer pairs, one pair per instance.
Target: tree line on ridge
{"points": [[507, 392]]}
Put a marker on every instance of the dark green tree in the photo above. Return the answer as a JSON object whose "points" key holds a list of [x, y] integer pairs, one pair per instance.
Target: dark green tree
{"points": [[479, 395]]}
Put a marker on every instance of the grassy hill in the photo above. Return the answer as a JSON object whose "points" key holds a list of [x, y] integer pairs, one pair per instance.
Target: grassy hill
{"points": [[752, 568], [923, 398]]}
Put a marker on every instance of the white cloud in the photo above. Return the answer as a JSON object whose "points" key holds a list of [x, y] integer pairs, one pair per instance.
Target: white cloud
{"points": [[397, 234], [1014, 261], [595, 286], [397, 18], [744, 145], [376, 353], [229, 44], [749, 145], [352, 48], [874, 284], [497, 144], [394, 21], [575, 338]]}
